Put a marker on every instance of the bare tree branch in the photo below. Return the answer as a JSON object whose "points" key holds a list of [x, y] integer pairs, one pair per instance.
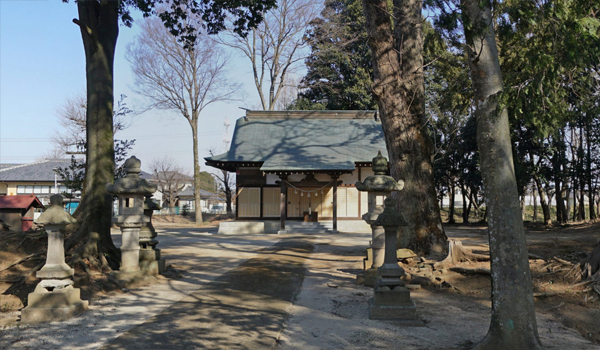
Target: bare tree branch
{"points": [[275, 47], [169, 178], [172, 77]]}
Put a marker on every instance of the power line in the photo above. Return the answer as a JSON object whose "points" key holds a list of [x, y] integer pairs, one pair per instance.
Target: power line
{"points": [[145, 136]]}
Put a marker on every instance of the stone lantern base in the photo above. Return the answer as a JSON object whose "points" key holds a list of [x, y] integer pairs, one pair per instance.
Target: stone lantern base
{"points": [[392, 299], [151, 263], [368, 277], [394, 305], [45, 305]]}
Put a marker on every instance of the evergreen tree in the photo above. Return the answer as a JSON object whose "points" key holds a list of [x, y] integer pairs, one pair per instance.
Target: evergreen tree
{"points": [[339, 75]]}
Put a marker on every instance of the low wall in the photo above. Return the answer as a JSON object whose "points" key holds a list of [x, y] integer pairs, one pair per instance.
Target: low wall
{"points": [[241, 227], [272, 226], [353, 226]]}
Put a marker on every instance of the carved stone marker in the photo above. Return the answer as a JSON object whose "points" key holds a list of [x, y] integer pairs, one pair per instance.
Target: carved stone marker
{"points": [[392, 299], [379, 186], [130, 218], [54, 298]]}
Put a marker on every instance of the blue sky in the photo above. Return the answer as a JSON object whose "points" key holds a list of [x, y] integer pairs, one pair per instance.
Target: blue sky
{"points": [[42, 63]]}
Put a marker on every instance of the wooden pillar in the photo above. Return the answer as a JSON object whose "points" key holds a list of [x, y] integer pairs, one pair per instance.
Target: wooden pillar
{"points": [[335, 181], [282, 203]]}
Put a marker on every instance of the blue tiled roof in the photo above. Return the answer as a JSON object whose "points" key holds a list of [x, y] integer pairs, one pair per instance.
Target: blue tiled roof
{"points": [[294, 140]]}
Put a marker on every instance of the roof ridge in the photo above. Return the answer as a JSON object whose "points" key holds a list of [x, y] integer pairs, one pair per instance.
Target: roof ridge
{"points": [[300, 114]]}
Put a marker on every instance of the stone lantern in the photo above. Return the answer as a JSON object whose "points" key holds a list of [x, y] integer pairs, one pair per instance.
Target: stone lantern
{"points": [[130, 191], [54, 298], [392, 299], [150, 260], [379, 186]]}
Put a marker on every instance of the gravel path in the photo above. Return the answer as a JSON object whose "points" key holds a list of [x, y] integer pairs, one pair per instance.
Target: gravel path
{"points": [[329, 312]]}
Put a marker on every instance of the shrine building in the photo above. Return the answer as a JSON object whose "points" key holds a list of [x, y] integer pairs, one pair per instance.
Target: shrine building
{"points": [[301, 166]]}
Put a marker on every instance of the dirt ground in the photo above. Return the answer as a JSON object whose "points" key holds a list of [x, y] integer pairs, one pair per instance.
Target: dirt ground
{"points": [[209, 219], [574, 304], [562, 297]]}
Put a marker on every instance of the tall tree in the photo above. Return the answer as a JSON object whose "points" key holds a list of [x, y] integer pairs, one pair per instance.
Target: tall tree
{"points": [[99, 25], [395, 40], [169, 179], [226, 183], [448, 110], [548, 51], [339, 70], [513, 324], [185, 80], [275, 47]]}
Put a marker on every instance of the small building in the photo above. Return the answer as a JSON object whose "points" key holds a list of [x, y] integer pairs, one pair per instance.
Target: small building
{"points": [[302, 166], [208, 200], [18, 211], [38, 178]]}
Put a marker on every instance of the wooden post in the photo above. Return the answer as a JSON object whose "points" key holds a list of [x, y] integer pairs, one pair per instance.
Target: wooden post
{"points": [[335, 180], [282, 203]]}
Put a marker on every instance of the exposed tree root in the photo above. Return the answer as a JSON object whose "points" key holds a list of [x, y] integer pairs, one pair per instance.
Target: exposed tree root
{"points": [[22, 260], [99, 251], [465, 271], [16, 286], [535, 257], [457, 253], [591, 267]]}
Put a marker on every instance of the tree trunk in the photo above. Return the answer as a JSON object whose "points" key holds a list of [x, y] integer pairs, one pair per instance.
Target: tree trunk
{"points": [[522, 206], [581, 176], [513, 324], [227, 191], [535, 207], [98, 22], [197, 179], [543, 203], [452, 193], [562, 213], [399, 91], [465, 213], [567, 195], [588, 161], [468, 211]]}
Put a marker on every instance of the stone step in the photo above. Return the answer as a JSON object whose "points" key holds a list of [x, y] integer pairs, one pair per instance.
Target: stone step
{"points": [[309, 227]]}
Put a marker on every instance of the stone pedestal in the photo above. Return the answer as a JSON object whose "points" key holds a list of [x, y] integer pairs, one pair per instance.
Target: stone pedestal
{"points": [[55, 267], [49, 303], [54, 298], [375, 255], [130, 247], [391, 300]]}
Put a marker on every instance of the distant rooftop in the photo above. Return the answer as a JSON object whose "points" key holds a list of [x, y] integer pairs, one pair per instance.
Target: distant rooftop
{"points": [[8, 165], [33, 172], [189, 193]]}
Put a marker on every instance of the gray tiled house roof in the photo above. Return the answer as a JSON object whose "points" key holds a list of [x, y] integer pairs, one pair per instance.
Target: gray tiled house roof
{"points": [[189, 193], [304, 140], [32, 172]]}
